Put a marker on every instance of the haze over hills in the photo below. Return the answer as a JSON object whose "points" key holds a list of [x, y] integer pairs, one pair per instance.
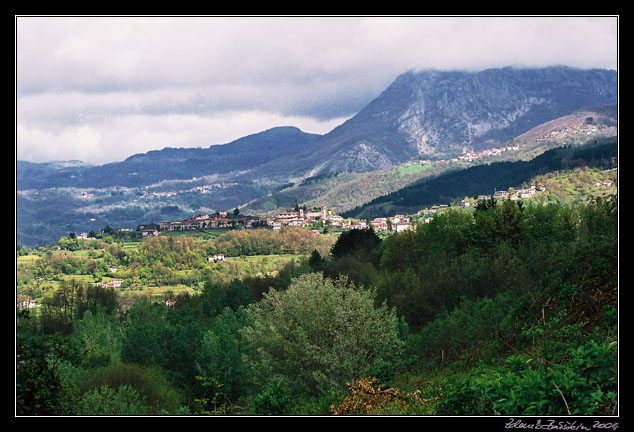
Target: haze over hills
{"points": [[421, 115], [170, 163]]}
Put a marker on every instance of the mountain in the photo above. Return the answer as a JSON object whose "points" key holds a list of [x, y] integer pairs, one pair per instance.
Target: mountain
{"points": [[421, 115], [487, 178], [438, 114], [344, 191], [54, 199], [170, 163]]}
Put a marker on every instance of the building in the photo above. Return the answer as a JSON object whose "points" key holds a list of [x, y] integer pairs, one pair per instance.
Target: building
{"points": [[216, 258], [115, 283], [404, 226], [28, 304], [380, 226]]}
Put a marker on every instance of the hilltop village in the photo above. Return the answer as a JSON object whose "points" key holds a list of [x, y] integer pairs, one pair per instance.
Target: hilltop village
{"points": [[318, 219], [321, 220]]}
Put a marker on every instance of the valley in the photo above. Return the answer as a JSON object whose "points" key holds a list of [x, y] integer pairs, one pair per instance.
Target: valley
{"points": [[45, 214], [450, 250]]}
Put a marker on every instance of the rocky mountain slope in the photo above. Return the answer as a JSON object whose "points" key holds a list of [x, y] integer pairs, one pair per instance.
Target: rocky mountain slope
{"points": [[422, 115], [435, 114], [343, 191]]}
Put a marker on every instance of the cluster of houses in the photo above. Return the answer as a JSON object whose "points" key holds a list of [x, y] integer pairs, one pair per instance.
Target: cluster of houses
{"points": [[582, 128], [28, 304], [217, 258], [204, 189], [471, 156], [606, 183], [113, 283], [300, 218], [398, 223], [520, 193], [204, 221]]}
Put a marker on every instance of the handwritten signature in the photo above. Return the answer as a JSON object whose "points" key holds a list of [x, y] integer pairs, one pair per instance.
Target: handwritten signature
{"points": [[560, 425]]}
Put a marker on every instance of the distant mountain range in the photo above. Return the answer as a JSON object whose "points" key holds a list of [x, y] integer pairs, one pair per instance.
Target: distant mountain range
{"points": [[421, 115], [169, 164]]}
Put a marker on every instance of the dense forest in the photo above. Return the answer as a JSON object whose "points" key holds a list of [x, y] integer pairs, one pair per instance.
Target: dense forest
{"points": [[510, 309]]}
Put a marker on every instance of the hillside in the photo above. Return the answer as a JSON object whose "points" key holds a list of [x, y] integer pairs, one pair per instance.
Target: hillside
{"points": [[344, 191], [487, 179], [435, 114], [423, 116], [170, 163]]}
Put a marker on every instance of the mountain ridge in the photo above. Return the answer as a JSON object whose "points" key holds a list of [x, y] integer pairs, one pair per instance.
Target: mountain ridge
{"points": [[422, 114], [169, 163], [443, 113]]}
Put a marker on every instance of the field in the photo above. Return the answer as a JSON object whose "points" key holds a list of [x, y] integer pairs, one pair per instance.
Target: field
{"points": [[157, 267]]}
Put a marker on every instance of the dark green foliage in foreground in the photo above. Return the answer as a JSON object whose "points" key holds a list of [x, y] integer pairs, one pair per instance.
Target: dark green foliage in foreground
{"points": [[509, 310], [151, 388], [583, 387]]}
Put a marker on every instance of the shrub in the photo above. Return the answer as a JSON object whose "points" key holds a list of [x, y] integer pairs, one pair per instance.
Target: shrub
{"points": [[150, 383], [105, 401], [273, 400], [319, 334], [584, 386]]}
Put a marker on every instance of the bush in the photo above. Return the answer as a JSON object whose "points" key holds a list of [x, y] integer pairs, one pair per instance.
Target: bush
{"points": [[319, 334], [105, 401], [150, 383], [584, 386], [273, 400], [469, 331]]}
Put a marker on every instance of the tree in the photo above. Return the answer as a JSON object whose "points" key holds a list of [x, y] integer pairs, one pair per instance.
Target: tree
{"points": [[319, 334], [101, 338], [105, 401], [147, 337], [220, 355], [355, 241], [38, 384], [315, 261], [150, 383]]}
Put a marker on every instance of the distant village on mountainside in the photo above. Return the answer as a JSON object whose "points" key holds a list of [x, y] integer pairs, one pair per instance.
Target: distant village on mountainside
{"points": [[316, 218]]}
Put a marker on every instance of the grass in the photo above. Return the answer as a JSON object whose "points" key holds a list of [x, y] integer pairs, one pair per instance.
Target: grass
{"points": [[159, 292], [198, 235], [27, 259]]}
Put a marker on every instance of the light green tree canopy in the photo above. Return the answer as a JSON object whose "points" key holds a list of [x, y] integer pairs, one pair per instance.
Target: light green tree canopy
{"points": [[318, 335]]}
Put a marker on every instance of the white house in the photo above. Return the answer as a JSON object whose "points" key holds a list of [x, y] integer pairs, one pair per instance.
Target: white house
{"points": [[403, 226], [216, 258], [28, 304]]}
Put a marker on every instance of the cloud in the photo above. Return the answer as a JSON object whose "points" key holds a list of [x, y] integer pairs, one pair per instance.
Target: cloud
{"points": [[114, 138], [126, 84]]}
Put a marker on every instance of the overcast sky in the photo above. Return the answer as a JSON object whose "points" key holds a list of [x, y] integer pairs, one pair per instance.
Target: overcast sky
{"points": [[99, 89]]}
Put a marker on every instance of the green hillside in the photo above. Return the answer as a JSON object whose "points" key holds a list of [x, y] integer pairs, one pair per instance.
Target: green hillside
{"points": [[486, 179], [506, 310]]}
